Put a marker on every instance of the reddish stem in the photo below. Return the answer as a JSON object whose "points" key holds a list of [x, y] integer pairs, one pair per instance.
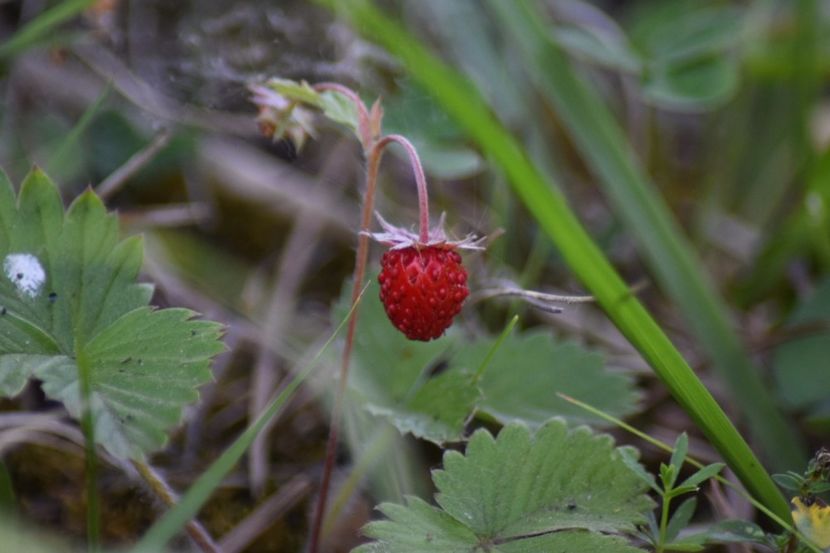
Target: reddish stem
{"points": [[373, 164], [420, 181], [374, 155]]}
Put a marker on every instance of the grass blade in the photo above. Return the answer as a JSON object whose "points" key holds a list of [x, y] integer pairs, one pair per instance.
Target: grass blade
{"points": [[41, 27], [57, 163], [548, 205], [8, 500], [602, 143], [174, 520]]}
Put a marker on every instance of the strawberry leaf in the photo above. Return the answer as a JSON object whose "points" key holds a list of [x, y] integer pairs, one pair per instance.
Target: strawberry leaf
{"points": [[556, 490], [522, 379], [68, 286], [437, 411]]}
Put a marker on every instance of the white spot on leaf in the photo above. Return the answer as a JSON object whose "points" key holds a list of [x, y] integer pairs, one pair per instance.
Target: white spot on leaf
{"points": [[25, 272]]}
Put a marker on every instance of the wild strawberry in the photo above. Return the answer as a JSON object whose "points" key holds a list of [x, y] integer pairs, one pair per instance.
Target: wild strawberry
{"points": [[422, 289], [422, 282]]}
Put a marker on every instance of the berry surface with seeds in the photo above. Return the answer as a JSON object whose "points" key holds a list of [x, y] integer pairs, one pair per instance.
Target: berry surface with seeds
{"points": [[422, 289]]}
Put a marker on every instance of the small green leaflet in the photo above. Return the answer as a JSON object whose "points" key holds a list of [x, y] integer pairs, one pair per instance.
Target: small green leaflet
{"points": [[68, 286], [391, 377], [557, 490], [334, 105]]}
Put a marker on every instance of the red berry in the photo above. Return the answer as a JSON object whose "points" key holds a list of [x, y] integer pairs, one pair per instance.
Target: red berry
{"points": [[422, 289]]}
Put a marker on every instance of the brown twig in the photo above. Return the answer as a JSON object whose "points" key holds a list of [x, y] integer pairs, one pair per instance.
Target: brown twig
{"points": [[164, 492], [120, 176]]}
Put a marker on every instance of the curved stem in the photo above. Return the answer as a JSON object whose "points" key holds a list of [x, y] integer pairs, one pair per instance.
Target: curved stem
{"points": [[420, 180]]}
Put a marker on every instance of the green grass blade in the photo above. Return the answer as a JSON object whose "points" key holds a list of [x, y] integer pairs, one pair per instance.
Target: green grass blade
{"points": [[174, 520], [57, 163], [548, 205], [602, 143], [42, 27], [8, 500]]}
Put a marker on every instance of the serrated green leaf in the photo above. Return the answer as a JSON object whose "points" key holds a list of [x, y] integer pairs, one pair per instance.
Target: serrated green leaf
{"points": [[438, 410], [17, 368], [68, 291], [556, 489], [528, 370], [681, 517], [145, 367], [419, 527]]}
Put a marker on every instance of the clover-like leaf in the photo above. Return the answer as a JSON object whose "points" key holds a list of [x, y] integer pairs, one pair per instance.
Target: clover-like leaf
{"points": [[559, 489], [68, 291]]}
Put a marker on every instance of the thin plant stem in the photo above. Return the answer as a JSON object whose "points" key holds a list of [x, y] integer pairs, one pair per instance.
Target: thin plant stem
{"points": [[373, 164], [494, 348], [373, 155], [420, 182], [164, 492], [664, 521], [113, 183], [93, 509]]}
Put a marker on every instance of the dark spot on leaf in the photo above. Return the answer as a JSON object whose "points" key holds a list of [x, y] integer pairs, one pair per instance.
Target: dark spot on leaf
{"points": [[571, 506], [19, 276], [3, 311], [53, 297], [193, 333], [126, 360]]}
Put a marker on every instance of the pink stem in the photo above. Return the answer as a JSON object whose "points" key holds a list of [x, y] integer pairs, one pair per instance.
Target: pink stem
{"points": [[420, 180]]}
